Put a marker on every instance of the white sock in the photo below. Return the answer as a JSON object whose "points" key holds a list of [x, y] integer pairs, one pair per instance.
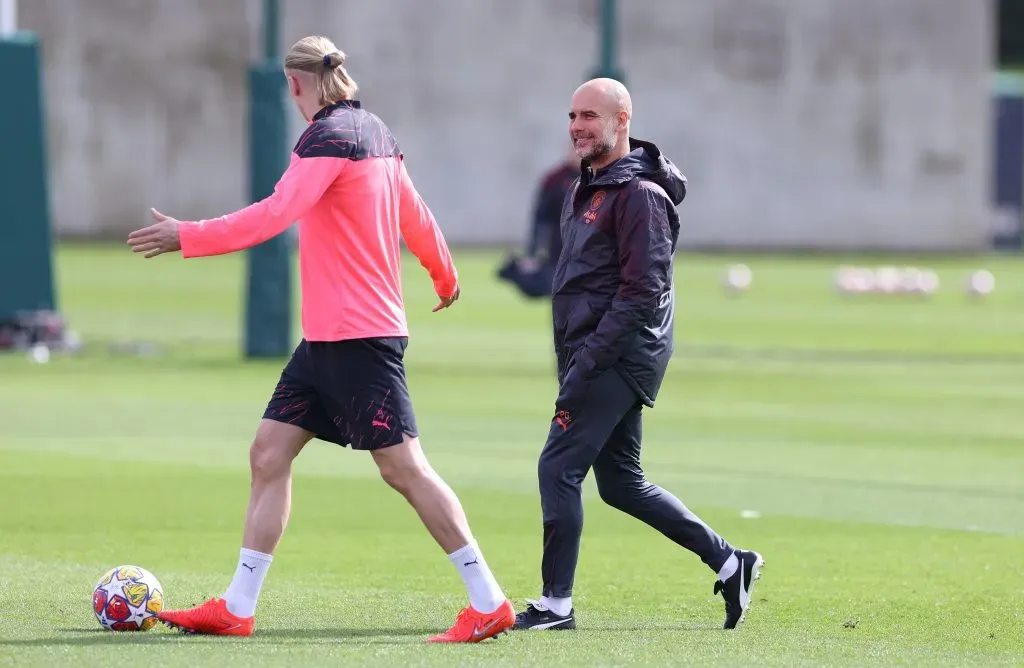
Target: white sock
{"points": [[729, 567], [484, 593], [244, 590], [559, 606]]}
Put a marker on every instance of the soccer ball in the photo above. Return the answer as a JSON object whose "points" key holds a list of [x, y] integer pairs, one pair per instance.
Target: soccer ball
{"points": [[127, 598], [738, 278], [980, 283]]}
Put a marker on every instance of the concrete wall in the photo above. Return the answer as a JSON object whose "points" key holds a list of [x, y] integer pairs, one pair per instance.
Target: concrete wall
{"points": [[847, 123], [839, 123], [145, 100]]}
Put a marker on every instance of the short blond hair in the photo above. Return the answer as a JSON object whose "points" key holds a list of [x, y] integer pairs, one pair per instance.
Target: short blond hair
{"points": [[319, 56]]}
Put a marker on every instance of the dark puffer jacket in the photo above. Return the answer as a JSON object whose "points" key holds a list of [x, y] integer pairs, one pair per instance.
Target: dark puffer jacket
{"points": [[613, 299]]}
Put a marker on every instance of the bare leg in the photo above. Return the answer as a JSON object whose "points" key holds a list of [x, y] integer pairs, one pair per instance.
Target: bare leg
{"points": [[405, 467], [407, 470], [273, 449]]}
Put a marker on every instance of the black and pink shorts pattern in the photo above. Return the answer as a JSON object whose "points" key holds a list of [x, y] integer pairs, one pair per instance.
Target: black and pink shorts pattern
{"points": [[352, 393]]}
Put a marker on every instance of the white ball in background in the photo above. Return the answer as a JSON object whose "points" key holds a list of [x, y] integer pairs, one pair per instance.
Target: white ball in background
{"points": [[980, 283], [72, 341], [738, 278], [927, 282], [910, 280], [39, 354], [843, 279], [850, 280], [867, 280], [887, 280], [862, 280]]}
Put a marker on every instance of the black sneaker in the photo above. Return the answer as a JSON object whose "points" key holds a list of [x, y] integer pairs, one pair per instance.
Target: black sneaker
{"points": [[738, 589], [537, 617]]}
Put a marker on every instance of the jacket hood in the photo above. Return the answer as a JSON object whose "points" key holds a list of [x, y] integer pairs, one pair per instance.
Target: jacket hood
{"points": [[644, 160]]}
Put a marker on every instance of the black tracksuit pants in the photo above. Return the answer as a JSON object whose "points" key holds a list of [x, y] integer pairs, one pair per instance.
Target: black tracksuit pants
{"points": [[600, 427]]}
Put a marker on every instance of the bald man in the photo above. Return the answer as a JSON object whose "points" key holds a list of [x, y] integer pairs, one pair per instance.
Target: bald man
{"points": [[613, 315]]}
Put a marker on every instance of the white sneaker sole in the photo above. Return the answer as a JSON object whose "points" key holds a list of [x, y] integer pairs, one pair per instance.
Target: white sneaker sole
{"points": [[755, 575]]}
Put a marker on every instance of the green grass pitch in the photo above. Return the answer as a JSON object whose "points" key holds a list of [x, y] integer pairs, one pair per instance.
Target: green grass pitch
{"points": [[879, 442]]}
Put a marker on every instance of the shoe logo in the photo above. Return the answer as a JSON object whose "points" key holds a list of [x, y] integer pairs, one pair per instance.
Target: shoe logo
{"points": [[470, 563], [744, 594], [479, 632], [251, 568]]}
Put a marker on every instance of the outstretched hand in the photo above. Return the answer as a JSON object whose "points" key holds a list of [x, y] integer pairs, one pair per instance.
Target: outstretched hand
{"points": [[447, 301], [161, 237]]}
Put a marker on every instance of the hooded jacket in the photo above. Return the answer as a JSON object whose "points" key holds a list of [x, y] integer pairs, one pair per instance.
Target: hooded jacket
{"points": [[612, 295]]}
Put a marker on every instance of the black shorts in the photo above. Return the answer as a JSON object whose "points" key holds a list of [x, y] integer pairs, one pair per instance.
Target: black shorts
{"points": [[347, 392]]}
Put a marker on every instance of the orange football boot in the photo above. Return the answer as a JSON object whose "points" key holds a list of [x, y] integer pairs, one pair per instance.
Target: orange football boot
{"points": [[474, 626], [210, 618]]}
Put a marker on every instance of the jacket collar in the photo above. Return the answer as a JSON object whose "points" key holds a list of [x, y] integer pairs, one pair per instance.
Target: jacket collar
{"points": [[331, 108]]}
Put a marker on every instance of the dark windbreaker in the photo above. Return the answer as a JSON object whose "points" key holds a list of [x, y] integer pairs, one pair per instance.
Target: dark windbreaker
{"points": [[613, 299]]}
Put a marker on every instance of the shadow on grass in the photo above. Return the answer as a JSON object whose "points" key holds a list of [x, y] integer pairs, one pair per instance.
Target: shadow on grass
{"points": [[94, 636], [82, 637], [653, 628]]}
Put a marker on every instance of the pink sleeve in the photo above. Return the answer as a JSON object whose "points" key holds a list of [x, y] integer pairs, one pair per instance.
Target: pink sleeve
{"points": [[424, 237], [298, 189]]}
